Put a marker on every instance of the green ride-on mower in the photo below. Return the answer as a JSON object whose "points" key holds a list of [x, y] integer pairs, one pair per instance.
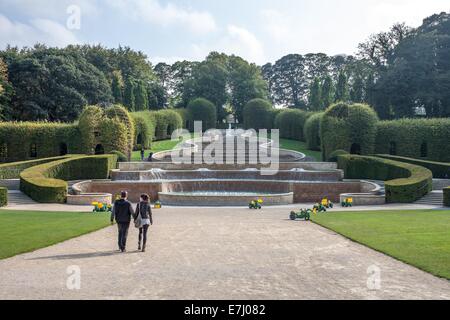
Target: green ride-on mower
{"points": [[304, 214]]}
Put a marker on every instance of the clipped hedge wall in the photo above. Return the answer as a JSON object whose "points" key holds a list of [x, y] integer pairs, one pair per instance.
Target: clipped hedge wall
{"points": [[186, 118], [167, 121], [348, 127], [203, 110], [3, 197], [19, 140], [125, 126], [13, 170], [404, 182], [291, 123], [447, 197], [258, 114], [427, 139], [311, 131], [335, 154], [441, 170], [46, 183]]}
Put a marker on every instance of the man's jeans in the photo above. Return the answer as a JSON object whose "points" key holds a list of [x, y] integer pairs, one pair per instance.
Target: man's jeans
{"points": [[123, 233]]}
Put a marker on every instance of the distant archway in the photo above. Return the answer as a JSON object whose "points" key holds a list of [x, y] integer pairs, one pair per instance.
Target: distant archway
{"points": [[169, 131], [355, 149], [139, 139], [3, 152], [393, 148], [33, 150], [63, 150], [424, 150], [99, 149]]}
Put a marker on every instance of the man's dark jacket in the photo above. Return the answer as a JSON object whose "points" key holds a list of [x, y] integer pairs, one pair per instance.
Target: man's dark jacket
{"points": [[122, 211]]}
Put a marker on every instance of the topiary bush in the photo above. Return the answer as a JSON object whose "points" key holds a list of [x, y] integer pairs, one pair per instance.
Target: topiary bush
{"points": [[89, 126], [426, 139], [349, 127], [167, 121], [20, 141], [46, 183], [203, 110], [3, 197], [311, 131], [441, 170], [186, 118], [291, 123], [13, 170], [258, 114], [125, 126], [404, 182], [447, 197], [144, 130]]}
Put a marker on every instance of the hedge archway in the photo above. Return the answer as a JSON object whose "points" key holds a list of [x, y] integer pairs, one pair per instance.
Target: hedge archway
{"points": [[349, 127]]}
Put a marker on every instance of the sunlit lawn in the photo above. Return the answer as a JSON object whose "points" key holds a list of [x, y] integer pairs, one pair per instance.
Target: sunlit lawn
{"points": [[25, 231], [419, 237]]}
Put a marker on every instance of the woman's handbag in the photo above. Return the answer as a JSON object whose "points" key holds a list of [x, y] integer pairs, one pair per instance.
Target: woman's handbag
{"points": [[138, 220]]}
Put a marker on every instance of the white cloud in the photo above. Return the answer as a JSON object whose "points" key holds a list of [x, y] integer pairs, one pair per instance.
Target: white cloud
{"points": [[237, 40], [37, 30], [198, 22]]}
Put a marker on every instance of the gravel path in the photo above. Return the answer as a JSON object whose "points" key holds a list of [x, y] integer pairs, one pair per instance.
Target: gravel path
{"points": [[201, 253]]}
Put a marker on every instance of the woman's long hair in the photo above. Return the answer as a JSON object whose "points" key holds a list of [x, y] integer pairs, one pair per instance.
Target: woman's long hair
{"points": [[145, 197]]}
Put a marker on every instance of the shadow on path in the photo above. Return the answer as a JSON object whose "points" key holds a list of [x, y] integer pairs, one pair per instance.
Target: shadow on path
{"points": [[81, 255]]}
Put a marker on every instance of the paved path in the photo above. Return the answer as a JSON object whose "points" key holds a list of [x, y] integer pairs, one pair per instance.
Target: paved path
{"points": [[216, 254]]}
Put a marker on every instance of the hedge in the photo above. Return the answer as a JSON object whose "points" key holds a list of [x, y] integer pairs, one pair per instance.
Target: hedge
{"points": [[427, 139], [20, 141], [120, 114], [335, 154], [291, 123], [46, 183], [258, 114], [185, 117], [446, 197], [311, 131], [441, 170], [3, 197], [167, 121], [348, 127], [13, 170], [404, 182], [203, 110]]}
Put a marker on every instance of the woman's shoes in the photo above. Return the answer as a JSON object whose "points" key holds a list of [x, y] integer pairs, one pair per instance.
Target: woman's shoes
{"points": [[143, 248]]}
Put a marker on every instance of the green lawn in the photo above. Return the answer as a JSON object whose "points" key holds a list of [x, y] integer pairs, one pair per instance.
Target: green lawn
{"points": [[300, 147], [420, 237], [157, 146], [25, 231]]}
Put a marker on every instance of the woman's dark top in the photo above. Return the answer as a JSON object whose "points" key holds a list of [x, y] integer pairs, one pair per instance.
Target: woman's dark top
{"points": [[145, 210]]}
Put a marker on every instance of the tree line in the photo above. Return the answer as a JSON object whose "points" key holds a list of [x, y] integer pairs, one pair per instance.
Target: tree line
{"points": [[403, 72]]}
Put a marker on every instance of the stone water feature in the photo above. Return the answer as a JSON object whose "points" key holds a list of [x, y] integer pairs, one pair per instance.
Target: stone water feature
{"points": [[202, 183]]}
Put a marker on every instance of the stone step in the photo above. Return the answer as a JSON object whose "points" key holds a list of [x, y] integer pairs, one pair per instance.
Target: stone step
{"points": [[433, 198], [16, 197]]}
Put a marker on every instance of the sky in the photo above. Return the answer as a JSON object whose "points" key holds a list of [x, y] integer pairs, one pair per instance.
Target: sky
{"points": [[170, 30]]}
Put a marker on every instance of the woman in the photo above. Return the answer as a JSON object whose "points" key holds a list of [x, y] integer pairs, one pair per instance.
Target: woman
{"points": [[143, 219]]}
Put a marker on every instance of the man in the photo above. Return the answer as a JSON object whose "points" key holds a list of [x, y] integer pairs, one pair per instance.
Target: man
{"points": [[122, 212], [142, 154]]}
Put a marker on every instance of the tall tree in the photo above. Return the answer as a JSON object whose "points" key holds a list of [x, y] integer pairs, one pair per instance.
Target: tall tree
{"points": [[327, 92], [117, 86], [341, 93], [141, 97], [129, 98], [357, 90], [315, 100]]}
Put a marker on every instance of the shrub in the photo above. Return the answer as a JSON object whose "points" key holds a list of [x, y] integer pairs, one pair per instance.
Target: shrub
{"points": [[89, 127], [120, 156], [311, 131], [441, 170], [3, 197], [20, 141], [404, 182], [186, 118], [167, 121], [291, 123], [335, 154], [427, 139], [124, 118], [258, 114], [447, 197], [13, 170], [349, 127], [46, 183], [203, 110]]}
